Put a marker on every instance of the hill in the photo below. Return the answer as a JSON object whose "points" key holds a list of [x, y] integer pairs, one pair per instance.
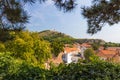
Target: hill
{"points": [[52, 35], [100, 41]]}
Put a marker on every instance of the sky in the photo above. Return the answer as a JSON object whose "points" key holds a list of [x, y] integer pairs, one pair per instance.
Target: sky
{"points": [[47, 17]]}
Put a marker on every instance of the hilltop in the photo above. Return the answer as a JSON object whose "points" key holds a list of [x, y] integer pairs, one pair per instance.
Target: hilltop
{"points": [[52, 35]]}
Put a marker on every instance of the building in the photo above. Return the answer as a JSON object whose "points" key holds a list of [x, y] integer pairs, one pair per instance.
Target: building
{"points": [[71, 54], [83, 47], [106, 54], [109, 55]]}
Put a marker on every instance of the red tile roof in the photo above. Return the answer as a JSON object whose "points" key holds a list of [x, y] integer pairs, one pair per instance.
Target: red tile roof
{"points": [[86, 45], [113, 48], [68, 49], [58, 59], [106, 53]]}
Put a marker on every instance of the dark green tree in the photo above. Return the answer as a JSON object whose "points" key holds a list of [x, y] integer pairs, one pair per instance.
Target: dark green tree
{"points": [[95, 46], [89, 55], [13, 16], [57, 47], [100, 13]]}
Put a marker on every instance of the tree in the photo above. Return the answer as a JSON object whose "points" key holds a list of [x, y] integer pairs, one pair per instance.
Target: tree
{"points": [[29, 47], [42, 50], [95, 46], [57, 47], [89, 55], [14, 17], [100, 13], [12, 14], [2, 47]]}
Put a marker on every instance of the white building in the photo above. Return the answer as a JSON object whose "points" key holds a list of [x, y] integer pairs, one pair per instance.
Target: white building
{"points": [[71, 55], [75, 53]]}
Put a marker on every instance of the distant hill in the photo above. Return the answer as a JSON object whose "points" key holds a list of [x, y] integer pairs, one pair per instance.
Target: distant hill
{"points": [[52, 35], [100, 41]]}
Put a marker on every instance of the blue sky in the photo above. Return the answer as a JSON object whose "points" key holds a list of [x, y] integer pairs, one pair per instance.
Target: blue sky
{"points": [[46, 16]]}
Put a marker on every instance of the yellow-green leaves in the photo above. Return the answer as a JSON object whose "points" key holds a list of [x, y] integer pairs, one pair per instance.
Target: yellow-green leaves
{"points": [[29, 47]]}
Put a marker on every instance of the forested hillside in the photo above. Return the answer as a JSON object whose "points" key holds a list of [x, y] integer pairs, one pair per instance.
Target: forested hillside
{"points": [[52, 35]]}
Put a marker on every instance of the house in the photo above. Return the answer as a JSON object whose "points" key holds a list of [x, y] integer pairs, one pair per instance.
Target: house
{"points": [[106, 54], [86, 45], [113, 48], [110, 55], [71, 54], [83, 47]]}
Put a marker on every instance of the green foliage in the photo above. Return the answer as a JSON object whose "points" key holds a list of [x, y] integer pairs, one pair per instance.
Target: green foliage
{"points": [[92, 71], [28, 46], [110, 44], [57, 47], [95, 46], [89, 55], [13, 12], [16, 69], [100, 13], [52, 36], [27, 72], [2, 47], [42, 50], [91, 41], [8, 64], [6, 35], [23, 56]]}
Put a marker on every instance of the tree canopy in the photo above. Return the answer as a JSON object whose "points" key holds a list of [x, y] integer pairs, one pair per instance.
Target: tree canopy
{"points": [[100, 13], [14, 17]]}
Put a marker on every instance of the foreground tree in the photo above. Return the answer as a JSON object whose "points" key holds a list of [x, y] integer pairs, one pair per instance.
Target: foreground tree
{"points": [[13, 16], [100, 13], [29, 47]]}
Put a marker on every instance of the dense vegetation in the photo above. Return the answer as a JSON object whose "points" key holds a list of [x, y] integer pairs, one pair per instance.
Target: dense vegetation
{"points": [[23, 54], [51, 35], [13, 69], [28, 46], [91, 41], [111, 44]]}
